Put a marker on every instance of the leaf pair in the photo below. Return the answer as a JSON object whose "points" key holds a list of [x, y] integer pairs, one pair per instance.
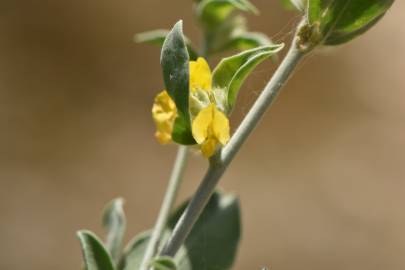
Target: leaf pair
{"points": [[96, 256], [228, 76], [224, 30], [232, 71], [211, 245], [343, 20], [340, 21]]}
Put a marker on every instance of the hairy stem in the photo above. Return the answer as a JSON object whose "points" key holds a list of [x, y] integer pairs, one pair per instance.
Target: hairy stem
{"points": [[167, 204], [222, 159]]}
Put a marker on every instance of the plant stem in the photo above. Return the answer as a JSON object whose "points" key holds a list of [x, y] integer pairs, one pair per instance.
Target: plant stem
{"points": [[167, 204], [222, 159]]}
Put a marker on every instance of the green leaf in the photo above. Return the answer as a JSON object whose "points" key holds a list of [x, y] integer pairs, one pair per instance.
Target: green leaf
{"points": [[231, 72], [340, 37], [226, 30], [163, 263], [212, 243], [342, 20], [314, 10], [294, 4], [154, 37], [114, 224], [287, 4], [157, 37], [233, 34], [218, 38], [95, 255], [347, 19], [212, 13], [175, 65], [133, 253]]}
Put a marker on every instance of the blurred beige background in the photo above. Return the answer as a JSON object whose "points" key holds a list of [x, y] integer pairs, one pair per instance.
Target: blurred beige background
{"points": [[321, 180]]}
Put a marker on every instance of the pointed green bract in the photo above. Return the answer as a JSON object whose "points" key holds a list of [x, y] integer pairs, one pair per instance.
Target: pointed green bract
{"points": [[175, 65], [342, 20], [95, 255], [114, 223], [158, 36], [231, 72]]}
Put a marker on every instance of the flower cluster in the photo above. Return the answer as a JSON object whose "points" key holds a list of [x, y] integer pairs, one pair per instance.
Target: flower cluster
{"points": [[195, 106], [210, 125]]}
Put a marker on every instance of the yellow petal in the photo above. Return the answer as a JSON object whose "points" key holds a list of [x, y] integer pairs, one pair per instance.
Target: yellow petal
{"points": [[220, 126], [164, 113], [201, 124], [164, 102], [200, 75], [208, 147], [162, 137]]}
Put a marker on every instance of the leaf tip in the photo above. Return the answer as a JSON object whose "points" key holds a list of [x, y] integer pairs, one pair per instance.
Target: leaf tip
{"points": [[137, 38], [251, 8], [279, 47], [81, 234], [179, 25], [119, 201]]}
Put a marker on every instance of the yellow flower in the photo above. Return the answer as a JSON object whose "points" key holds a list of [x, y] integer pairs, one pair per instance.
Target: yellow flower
{"points": [[210, 128], [164, 113]]}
